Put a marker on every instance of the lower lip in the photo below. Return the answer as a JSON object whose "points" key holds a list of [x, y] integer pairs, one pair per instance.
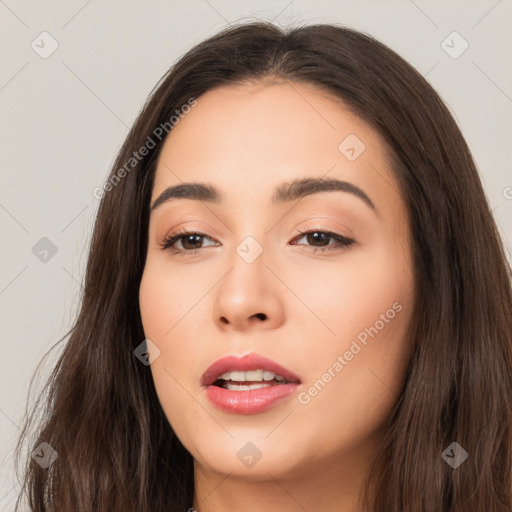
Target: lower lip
{"points": [[249, 402]]}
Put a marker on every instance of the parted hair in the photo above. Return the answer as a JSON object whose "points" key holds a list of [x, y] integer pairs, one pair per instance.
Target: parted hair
{"points": [[99, 410]]}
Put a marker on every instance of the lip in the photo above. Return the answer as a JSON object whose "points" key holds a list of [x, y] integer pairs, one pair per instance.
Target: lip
{"points": [[253, 401], [245, 363]]}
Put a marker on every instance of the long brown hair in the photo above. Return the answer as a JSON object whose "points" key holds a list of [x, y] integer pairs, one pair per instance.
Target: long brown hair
{"points": [[99, 410]]}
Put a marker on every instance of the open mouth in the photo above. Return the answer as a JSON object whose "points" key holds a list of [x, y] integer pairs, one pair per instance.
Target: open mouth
{"points": [[251, 371], [248, 384], [248, 380]]}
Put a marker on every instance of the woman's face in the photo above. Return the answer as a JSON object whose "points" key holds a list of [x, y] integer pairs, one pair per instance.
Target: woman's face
{"points": [[332, 307]]}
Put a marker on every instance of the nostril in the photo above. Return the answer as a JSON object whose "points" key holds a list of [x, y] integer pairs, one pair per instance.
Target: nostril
{"points": [[260, 316]]}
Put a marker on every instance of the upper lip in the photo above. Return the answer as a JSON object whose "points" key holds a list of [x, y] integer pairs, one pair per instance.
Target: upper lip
{"points": [[245, 363]]}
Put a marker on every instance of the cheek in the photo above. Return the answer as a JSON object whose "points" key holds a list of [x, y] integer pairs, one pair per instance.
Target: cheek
{"points": [[170, 305], [357, 380], [153, 304], [357, 366], [339, 298], [167, 296]]}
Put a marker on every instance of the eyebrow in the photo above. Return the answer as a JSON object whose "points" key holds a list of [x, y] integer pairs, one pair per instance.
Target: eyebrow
{"points": [[283, 193]]}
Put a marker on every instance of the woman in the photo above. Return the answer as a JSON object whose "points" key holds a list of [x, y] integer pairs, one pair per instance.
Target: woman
{"points": [[296, 298]]}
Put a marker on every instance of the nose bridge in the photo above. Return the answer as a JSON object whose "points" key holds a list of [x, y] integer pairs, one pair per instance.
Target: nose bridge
{"points": [[246, 280], [247, 291], [250, 250]]}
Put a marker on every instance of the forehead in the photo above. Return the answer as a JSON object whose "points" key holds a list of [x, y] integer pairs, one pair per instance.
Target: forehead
{"points": [[248, 138]]}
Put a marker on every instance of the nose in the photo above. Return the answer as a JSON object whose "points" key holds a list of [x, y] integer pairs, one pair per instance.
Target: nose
{"points": [[249, 296]]}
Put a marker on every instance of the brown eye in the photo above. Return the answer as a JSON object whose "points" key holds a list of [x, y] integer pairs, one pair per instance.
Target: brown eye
{"points": [[190, 242], [321, 240], [318, 238]]}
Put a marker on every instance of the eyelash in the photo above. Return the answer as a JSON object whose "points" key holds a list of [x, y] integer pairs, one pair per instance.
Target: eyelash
{"points": [[344, 242]]}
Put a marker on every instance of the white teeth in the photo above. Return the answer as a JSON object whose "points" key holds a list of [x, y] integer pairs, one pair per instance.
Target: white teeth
{"points": [[251, 376], [254, 375], [238, 376]]}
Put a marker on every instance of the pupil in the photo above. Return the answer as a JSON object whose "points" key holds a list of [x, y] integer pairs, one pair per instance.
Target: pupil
{"points": [[316, 236], [188, 238]]}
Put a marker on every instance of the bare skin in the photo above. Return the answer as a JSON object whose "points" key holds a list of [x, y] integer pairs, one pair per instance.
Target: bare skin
{"points": [[300, 308]]}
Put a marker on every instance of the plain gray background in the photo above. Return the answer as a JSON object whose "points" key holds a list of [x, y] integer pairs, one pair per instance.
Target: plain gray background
{"points": [[64, 117]]}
